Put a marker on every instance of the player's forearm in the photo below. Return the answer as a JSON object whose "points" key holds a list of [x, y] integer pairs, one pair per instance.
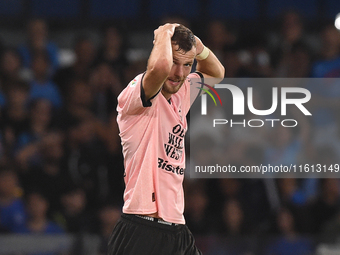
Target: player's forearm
{"points": [[160, 59], [159, 64], [211, 66]]}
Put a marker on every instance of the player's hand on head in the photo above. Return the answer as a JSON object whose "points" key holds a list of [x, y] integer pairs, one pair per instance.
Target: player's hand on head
{"points": [[166, 29], [199, 45]]}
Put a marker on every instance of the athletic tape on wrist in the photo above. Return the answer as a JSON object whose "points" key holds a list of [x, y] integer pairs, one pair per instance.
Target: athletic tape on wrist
{"points": [[204, 54]]}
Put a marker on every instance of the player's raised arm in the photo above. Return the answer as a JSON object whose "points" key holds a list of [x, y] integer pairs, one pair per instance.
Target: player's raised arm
{"points": [[209, 66], [207, 63], [160, 60]]}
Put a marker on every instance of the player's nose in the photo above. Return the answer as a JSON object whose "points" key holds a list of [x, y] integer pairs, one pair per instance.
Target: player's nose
{"points": [[179, 72]]}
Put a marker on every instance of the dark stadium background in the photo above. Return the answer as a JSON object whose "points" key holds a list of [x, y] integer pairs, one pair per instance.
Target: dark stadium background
{"points": [[62, 65]]}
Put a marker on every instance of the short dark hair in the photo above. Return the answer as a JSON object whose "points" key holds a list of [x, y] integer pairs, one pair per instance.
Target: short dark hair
{"points": [[184, 38]]}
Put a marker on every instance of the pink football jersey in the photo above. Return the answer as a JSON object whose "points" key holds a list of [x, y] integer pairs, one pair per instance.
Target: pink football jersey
{"points": [[153, 147]]}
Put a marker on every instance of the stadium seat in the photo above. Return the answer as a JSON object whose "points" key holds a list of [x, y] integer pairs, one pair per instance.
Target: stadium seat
{"points": [[114, 9], [308, 8], [332, 8], [185, 8], [56, 8], [233, 9], [11, 7]]}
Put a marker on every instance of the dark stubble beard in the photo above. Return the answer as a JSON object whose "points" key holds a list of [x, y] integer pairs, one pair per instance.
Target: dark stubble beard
{"points": [[166, 90]]}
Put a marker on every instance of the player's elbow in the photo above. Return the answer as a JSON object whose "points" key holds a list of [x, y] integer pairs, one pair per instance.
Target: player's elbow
{"points": [[161, 67], [220, 72]]}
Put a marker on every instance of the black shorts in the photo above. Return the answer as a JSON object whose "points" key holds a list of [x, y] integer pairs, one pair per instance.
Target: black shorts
{"points": [[137, 236]]}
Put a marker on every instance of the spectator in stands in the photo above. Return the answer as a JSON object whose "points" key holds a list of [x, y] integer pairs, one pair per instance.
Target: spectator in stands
{"points": [[12, 211], [290, 192], [37, 220], [108, 217], [37, 35], [74, 214], [325, 102], [295, 197], [10, 66], [292, 27], [233, 222], [230, 188], [284, 149], [106, 87], [8, 62], [199, 219], [327, 205], [290, 243], [29, 142], [292, 32], [15, 115], [323, 155], [41, 85], [223, 189], [135, 66], [289, 145], [233, 62], [254, 56], [233, 229], [330, 232], [86, 161], [85, 56], [257, 194], [49, 176], [244, 136], [219, 36], [78, 104], [329, 63], [299, 61], [114, 49]]}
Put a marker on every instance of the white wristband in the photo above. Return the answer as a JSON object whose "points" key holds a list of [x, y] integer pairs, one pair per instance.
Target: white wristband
{"points": [[204, 54]]}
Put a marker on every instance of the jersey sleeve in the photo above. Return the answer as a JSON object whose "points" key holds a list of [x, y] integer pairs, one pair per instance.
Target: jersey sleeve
{"points": [[189, 91], [132, 99], [196, 82]]}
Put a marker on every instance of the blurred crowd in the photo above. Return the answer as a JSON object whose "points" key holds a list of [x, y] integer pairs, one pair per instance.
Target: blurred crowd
{"points": [[60, 153]]}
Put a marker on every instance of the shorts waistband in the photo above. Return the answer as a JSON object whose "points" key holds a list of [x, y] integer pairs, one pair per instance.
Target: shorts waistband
{"points": [[152, 222], [160, 221]]}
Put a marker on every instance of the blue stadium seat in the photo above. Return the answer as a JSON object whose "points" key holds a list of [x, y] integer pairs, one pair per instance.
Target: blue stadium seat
{"points": [[308, 8], [56, 8], [233, 9], [115, 8], [332, 8], [11, 7], [185, 8]]}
